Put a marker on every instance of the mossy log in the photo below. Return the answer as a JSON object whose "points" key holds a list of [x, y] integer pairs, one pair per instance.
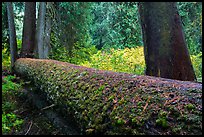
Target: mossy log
{"points": [[64, 125], [105, 102]]}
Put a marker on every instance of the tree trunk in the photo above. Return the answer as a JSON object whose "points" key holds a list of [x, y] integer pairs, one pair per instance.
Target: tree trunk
{"points": [[47, 32], [40, 29], [110, 103], [166, 53], [29, 26], [12, 34], [65, 125]]}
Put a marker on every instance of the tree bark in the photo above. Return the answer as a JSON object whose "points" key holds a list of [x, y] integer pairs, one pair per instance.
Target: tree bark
{"points": [[166, 53], [40, 29], [29, 26], [105, 102], [47, 31], [12, 34], [65, 125]]}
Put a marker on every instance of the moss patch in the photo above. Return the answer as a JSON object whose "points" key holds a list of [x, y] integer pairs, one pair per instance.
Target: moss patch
{"points": [[105, 102]]}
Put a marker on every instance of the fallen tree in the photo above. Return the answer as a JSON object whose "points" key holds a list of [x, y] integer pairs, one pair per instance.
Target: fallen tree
{"points": [[105, 102], [64, 125]]}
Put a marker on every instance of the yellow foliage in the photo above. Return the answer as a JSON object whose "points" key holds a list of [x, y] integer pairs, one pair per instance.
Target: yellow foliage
{"points": [[130, 60], [197, 64], [127, 60], [6, 59]]}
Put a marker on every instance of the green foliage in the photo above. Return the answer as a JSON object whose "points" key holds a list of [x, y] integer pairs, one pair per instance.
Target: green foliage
{"points": [[79, 54], [130, 60], [19, 44], [120, 121], [162, 119], [190, 106], [162, 122], [6, 59], [8, 85], [10, 121], [104, 24], [116, 25], [71, 25], [191, 16], [197, 64], [4, 24], [18, 8], [5, 40]]}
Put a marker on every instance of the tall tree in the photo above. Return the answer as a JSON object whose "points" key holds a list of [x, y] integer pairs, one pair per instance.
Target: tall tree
{"points": [[115, 25], [29, 26], [5, 29], [166, 53], [48, 26], [40, 29], [12, 34], [73, 22]]}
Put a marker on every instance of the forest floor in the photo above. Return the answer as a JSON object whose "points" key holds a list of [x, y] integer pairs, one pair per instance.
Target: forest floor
{"points": [[35, 120]]}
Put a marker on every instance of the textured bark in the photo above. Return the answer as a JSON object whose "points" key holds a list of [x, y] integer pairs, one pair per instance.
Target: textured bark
{"points": [[48, 24], [166, 53], [29, 26], [105, 102], [40, 29], [65, 125], [12, 34]]}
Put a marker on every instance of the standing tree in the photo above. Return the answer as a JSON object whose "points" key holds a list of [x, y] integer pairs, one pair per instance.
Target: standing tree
{"points": [[115, 25], [166, 53], [12, 34], [40, 29], [70, 27], [29, 26], [48, 26]]}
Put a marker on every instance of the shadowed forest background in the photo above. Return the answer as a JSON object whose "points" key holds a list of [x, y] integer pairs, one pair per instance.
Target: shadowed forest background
{"points": [[101, 35]]}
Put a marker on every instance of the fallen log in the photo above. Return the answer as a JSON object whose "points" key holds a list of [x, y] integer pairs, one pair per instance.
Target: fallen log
{"points": [[105, 102], [65, 125]]}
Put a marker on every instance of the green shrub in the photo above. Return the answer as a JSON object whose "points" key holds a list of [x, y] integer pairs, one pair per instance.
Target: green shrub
{"points": [[10, 121], [130, 60], [197, 64], [78, 55], [6, 59], [8, 85]]}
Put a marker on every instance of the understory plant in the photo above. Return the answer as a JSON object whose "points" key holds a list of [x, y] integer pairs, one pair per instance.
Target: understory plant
{"points": [[10, 121], [130, 60]]}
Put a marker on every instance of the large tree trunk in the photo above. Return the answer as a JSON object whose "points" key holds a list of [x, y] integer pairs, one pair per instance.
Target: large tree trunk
{"points": [[12, 34], [105, 102], [166, 53], [40, 29], [29, 26], [47, 31]]}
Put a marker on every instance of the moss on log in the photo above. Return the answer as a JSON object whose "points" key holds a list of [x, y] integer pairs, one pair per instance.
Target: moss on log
{"points": [[105, 102]]}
